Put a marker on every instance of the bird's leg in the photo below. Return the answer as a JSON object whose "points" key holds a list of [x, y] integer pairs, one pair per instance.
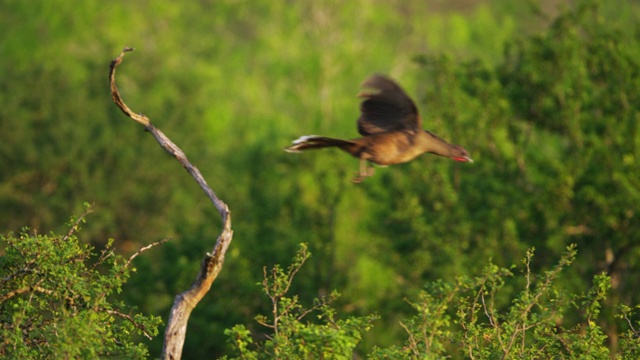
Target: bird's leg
{"points": [[364, 172]]}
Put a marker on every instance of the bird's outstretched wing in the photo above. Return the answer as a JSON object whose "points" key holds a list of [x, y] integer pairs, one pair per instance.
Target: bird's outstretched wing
{"points": [[386, 108]]}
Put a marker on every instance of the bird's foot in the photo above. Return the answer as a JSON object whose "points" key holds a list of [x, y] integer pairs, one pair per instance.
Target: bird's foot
{"points": [[366, 172]]}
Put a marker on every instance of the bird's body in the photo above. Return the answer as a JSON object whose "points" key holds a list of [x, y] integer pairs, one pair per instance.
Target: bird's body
{"points": [[391, 128]]}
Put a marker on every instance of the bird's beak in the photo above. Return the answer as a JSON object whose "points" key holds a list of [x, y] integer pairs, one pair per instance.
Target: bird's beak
{"points": [[463, 159]]}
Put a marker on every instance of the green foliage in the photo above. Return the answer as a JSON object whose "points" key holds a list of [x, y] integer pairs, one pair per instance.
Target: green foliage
{"points": [[459, 320], [291, 335], [533, 326], [331, 339], [630, 339], [56, 300], [544, 97]]}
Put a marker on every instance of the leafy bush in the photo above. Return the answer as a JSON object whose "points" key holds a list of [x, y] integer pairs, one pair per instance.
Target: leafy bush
{"points": [[56, 300], [290, 337], [459, 320]]}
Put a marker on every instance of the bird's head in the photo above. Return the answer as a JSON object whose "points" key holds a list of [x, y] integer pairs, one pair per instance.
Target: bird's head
{"points": [[458, 153]]}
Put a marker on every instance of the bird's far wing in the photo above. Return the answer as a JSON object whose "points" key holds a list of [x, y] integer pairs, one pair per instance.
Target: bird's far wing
{"points": [[386, 108]]}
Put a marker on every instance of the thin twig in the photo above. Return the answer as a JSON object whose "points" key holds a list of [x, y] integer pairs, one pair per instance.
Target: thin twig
{"points": [[294, 271], [493, 321], [74, 227], [635, 333], [143, 249], [131, 320], [311, 309], [413, 344]]}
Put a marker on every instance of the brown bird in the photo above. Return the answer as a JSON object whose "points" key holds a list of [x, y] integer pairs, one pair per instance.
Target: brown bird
{"points": [[391, 130]]}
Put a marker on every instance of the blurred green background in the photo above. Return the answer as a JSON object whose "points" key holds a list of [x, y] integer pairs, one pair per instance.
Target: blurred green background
{"points": [[544, 95]]}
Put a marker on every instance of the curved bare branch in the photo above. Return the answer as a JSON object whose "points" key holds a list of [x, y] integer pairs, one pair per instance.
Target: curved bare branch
{"points": [[212, 263]]}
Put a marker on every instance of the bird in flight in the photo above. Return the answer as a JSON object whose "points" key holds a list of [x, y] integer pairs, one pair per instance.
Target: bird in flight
{"points": [[391, 130]]}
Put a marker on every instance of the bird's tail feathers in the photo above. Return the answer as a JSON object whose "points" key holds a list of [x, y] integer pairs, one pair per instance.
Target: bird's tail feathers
{"points": [[315, 142]]}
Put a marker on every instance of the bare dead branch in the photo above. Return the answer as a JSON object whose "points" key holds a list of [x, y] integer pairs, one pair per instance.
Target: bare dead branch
{"points": [[115, 94], [212, 263]]}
